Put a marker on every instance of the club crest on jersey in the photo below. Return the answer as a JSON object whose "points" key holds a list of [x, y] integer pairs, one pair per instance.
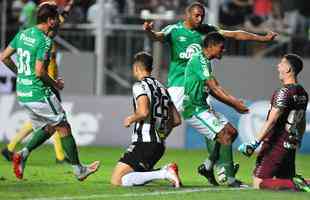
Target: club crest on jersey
{"points": [[190, 50], [182, 39]]}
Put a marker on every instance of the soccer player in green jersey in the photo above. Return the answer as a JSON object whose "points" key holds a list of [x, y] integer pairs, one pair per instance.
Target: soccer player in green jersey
{"points": [[34, 93], [185, 39], [199, 82]]}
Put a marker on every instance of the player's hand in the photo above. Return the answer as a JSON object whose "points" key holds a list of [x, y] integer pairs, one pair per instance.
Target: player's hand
{"points": [[240, 107], [59, 84], [127, 122], [148, 25], [248, 149], [270, 36]]}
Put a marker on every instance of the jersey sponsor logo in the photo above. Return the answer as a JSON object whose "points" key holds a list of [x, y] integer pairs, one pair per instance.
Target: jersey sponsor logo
{"points": [[190, 50], [24, 81], [24, 94], [182, 39], [27, 40]]}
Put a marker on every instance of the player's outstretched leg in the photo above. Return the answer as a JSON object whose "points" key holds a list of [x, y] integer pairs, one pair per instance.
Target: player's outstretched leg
{"points": [[7, 152], [124, 175], [69, 146], [19, 159]]}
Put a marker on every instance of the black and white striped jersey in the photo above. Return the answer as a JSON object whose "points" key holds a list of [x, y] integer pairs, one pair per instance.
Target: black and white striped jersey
{"points": [[148, 129]]}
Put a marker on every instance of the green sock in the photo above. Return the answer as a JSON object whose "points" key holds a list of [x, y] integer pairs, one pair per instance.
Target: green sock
{"points": [[39, 136], [226, 160], [69, 146], [213, 148]]}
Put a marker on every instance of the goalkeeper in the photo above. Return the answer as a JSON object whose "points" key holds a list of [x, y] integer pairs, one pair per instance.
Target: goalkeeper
{"points": [[282, 132]]}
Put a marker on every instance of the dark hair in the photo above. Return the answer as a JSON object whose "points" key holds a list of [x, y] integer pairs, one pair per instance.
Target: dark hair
{"points": [[195, 4], [145, 58], [46, 11], [295, 62], [213, 38]]}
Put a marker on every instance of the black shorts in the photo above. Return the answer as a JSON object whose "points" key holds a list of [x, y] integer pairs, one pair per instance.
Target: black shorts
{"points": [[143, 156]]}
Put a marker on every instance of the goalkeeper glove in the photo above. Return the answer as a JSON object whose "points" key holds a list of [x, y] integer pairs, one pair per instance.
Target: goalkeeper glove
{"points": [[248, 149]]}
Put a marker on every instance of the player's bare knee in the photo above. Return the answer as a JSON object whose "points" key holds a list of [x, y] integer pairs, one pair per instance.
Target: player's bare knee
{"points": [[48, 129], [256, 182], [116, 179], [64, 129]]}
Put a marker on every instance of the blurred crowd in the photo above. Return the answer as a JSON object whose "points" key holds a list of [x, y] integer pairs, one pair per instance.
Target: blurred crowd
{"points": [[284, 16]]}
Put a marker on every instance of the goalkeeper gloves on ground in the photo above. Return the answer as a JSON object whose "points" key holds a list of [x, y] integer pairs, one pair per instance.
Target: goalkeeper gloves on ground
{"points": [[248, 149]]}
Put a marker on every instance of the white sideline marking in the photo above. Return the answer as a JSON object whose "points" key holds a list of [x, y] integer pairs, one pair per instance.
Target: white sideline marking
{"points": [[184, 191]]}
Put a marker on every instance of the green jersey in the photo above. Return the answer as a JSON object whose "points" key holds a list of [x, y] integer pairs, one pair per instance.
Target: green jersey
{"points": [[184, 43], [31, 45], [197, 72]]}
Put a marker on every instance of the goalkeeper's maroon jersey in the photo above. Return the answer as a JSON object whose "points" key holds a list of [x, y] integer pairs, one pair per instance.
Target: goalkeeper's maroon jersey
{"points": [[293, 100]]}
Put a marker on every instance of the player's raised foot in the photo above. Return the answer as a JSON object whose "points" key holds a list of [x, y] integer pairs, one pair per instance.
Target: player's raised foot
{"points": [[87, 170], [237, 184], [208, 174], [7, 154], [173, 174], [19, 165], [301, 184]]}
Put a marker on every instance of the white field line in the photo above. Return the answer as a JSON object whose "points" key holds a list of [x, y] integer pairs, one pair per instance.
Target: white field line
{"points": [[102, 196]]}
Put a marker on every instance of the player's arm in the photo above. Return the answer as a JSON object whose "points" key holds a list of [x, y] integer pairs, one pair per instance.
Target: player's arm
{"points": [[153, 35], [273, 116], [174, 115], [5, 57], [141, 113], [222, 95], [244, 35], [42, 74]]}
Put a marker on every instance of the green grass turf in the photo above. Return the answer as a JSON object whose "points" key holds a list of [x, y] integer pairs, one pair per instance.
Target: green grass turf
{"points": [[43, 179]]}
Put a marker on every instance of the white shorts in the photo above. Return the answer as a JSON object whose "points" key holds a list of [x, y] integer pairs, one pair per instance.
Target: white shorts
{"points": [[209, 123], [48, 112], [177, 96]]}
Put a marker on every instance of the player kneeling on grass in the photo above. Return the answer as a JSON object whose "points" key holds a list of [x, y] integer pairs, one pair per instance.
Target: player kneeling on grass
{"points": [[282, 132], [154, 117], [34, 93]]}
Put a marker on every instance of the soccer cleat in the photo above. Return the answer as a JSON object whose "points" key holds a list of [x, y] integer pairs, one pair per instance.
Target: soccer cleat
{"points": [[238, 184], [209, 174], [18, 165], [301, 184], [87, 170], [173, 174], [7, 154]]}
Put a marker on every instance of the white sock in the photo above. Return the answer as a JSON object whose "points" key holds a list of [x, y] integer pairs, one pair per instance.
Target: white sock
{"points": [[140, 178], [208, 164], [230, 180], [77, 169], [24, 152]]}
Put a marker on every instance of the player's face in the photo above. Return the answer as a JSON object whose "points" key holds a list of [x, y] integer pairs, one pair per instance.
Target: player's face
{"points": [[195, 16], [283, 68], [217, 50], [53, 26]]}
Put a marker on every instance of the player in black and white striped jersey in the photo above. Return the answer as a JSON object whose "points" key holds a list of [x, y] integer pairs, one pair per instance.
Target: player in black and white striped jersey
{"points": [[154, 117]]}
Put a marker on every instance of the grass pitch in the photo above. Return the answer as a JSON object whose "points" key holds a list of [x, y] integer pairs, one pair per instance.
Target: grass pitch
{"points": [[46, 180]]}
